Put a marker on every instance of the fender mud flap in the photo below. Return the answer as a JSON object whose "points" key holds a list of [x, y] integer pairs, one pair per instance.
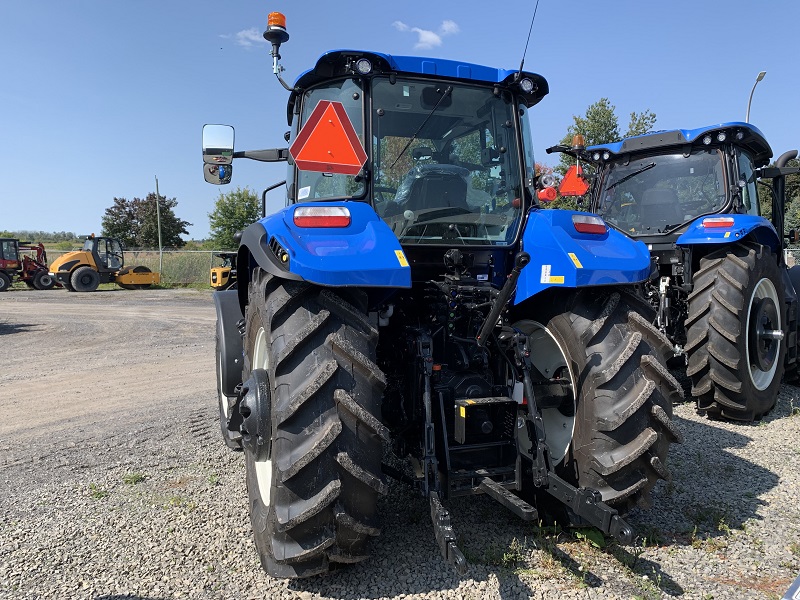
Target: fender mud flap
{"points": [[229, 338], [587, 504], [445, 536]]}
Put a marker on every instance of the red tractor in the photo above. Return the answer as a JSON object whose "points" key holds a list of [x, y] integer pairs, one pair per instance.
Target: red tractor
{"points": [[26, 261], [34, 270]]}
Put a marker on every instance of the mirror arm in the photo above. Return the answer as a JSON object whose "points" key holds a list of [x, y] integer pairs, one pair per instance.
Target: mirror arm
{"points": [[773, 172], [271, 155]]}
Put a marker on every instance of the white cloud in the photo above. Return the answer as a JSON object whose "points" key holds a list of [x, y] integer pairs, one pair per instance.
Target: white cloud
{"points": [[426, 38], [448, 28], [248, 37]]}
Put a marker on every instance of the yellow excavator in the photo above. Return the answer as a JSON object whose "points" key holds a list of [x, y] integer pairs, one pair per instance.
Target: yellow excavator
{"points": [[101, 260]]}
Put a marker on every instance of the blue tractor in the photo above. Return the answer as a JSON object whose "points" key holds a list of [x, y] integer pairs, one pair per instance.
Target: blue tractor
{"points": [[720, 287], [412, 313]]}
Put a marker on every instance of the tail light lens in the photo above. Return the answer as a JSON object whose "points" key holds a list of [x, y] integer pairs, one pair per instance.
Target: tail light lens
{"points": [[321, 216], [589, 224], [718, 222]]}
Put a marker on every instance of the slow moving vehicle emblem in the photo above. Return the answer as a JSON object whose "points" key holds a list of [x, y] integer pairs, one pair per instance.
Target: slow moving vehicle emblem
{"points": [[328, 142]]}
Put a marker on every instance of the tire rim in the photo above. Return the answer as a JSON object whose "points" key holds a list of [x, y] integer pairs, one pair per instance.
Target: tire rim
{"points": [[760, 337], [263, 467], [548, 356]]}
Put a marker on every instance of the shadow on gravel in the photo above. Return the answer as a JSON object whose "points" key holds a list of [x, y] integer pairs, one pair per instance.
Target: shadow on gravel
{"points": [[712, 490], [9, 328]]}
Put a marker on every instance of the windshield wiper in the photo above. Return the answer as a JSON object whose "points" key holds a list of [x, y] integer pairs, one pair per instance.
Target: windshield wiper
{"points": [[416, 133], [631, 175]]}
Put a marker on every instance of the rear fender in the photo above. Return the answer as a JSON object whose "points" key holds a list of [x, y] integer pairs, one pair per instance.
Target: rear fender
{"points": [[231, 349], [563, 257], [366, 253], [756, 228]]}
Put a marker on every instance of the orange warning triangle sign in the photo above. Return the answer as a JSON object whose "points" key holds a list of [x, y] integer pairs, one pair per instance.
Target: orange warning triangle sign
{"points": [[573, 183], [328, 142]]}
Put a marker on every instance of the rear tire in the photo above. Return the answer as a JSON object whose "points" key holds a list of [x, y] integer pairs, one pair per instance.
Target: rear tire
{"points": [[42, 280], [738, 294], [5, 282], [313, 496], [85, 279], [622, 428]]}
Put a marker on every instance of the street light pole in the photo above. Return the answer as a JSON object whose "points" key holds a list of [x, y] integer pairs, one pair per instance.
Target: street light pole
{"points": [[759, 78], [158, 219]]}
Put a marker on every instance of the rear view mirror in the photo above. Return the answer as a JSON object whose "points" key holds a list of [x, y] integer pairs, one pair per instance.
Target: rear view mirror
{"points": [[217, 174], [432, 96], [217, 145]]}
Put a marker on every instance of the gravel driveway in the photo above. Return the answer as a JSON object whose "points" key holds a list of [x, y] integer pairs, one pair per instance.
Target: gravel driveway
{"points": [[116, 484]]}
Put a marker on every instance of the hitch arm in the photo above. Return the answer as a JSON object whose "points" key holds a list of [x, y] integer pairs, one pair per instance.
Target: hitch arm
{"points": [[587, 504]]}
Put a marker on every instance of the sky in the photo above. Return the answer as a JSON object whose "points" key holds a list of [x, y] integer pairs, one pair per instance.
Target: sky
{"points": [[100, 97]]}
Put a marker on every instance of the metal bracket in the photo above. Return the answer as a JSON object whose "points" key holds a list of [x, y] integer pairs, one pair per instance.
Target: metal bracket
{"points": [[445, 536], [541, 459], [515, 504], [587, 504], [429, 462]]}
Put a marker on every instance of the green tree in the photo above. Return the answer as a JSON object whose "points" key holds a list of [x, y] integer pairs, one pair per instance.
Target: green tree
{"points": [[600, 125], [119, 221], [232, 212], [171, 226], [641, 123], [135, 222]]}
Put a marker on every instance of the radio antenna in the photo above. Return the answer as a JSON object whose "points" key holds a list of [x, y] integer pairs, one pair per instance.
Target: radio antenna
{"points": [[524, 52]]}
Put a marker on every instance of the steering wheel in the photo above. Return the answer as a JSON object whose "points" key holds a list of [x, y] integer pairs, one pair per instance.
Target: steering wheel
{"points": [[380, 190]]}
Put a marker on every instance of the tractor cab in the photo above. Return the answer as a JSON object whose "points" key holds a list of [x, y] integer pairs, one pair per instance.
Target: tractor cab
{"points": [[9, 262], [441, 150], [106, 252], [656, 185], [9, 254]]}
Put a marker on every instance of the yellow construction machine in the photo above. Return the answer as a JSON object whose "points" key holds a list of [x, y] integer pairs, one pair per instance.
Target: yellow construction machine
{"points": [[224, 276], [101, 260]]}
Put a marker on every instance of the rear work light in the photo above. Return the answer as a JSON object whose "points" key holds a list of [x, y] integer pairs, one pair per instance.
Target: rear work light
{"points": [[589, 224], [321, 216], [717, 222]]}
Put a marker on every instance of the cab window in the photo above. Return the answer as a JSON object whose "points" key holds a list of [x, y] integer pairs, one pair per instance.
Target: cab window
{"points": [[313, 185], [748, 183]]}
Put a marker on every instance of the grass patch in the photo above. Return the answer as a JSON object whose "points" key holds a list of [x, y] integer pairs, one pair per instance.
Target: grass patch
{"points": [[96, 492], [133, 478], [180, 502]]}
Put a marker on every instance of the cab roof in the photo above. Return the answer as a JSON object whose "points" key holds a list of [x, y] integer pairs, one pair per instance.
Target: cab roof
{"points": [[339, 63], [738, 133]]}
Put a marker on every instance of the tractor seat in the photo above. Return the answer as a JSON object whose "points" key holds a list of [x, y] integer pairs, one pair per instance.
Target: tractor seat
{"points": [[434, 186], [660, 207]]}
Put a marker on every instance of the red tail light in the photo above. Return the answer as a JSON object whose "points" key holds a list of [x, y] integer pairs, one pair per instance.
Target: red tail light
{"points": [[321, 216], [718, 222], [589, 224]]}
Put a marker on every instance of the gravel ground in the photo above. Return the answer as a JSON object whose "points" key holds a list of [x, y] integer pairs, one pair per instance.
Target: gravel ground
{"points": [[114, 483]]}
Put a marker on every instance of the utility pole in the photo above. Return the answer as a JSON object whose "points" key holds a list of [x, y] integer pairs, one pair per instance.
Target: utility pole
{"points": [[158, 219]]}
